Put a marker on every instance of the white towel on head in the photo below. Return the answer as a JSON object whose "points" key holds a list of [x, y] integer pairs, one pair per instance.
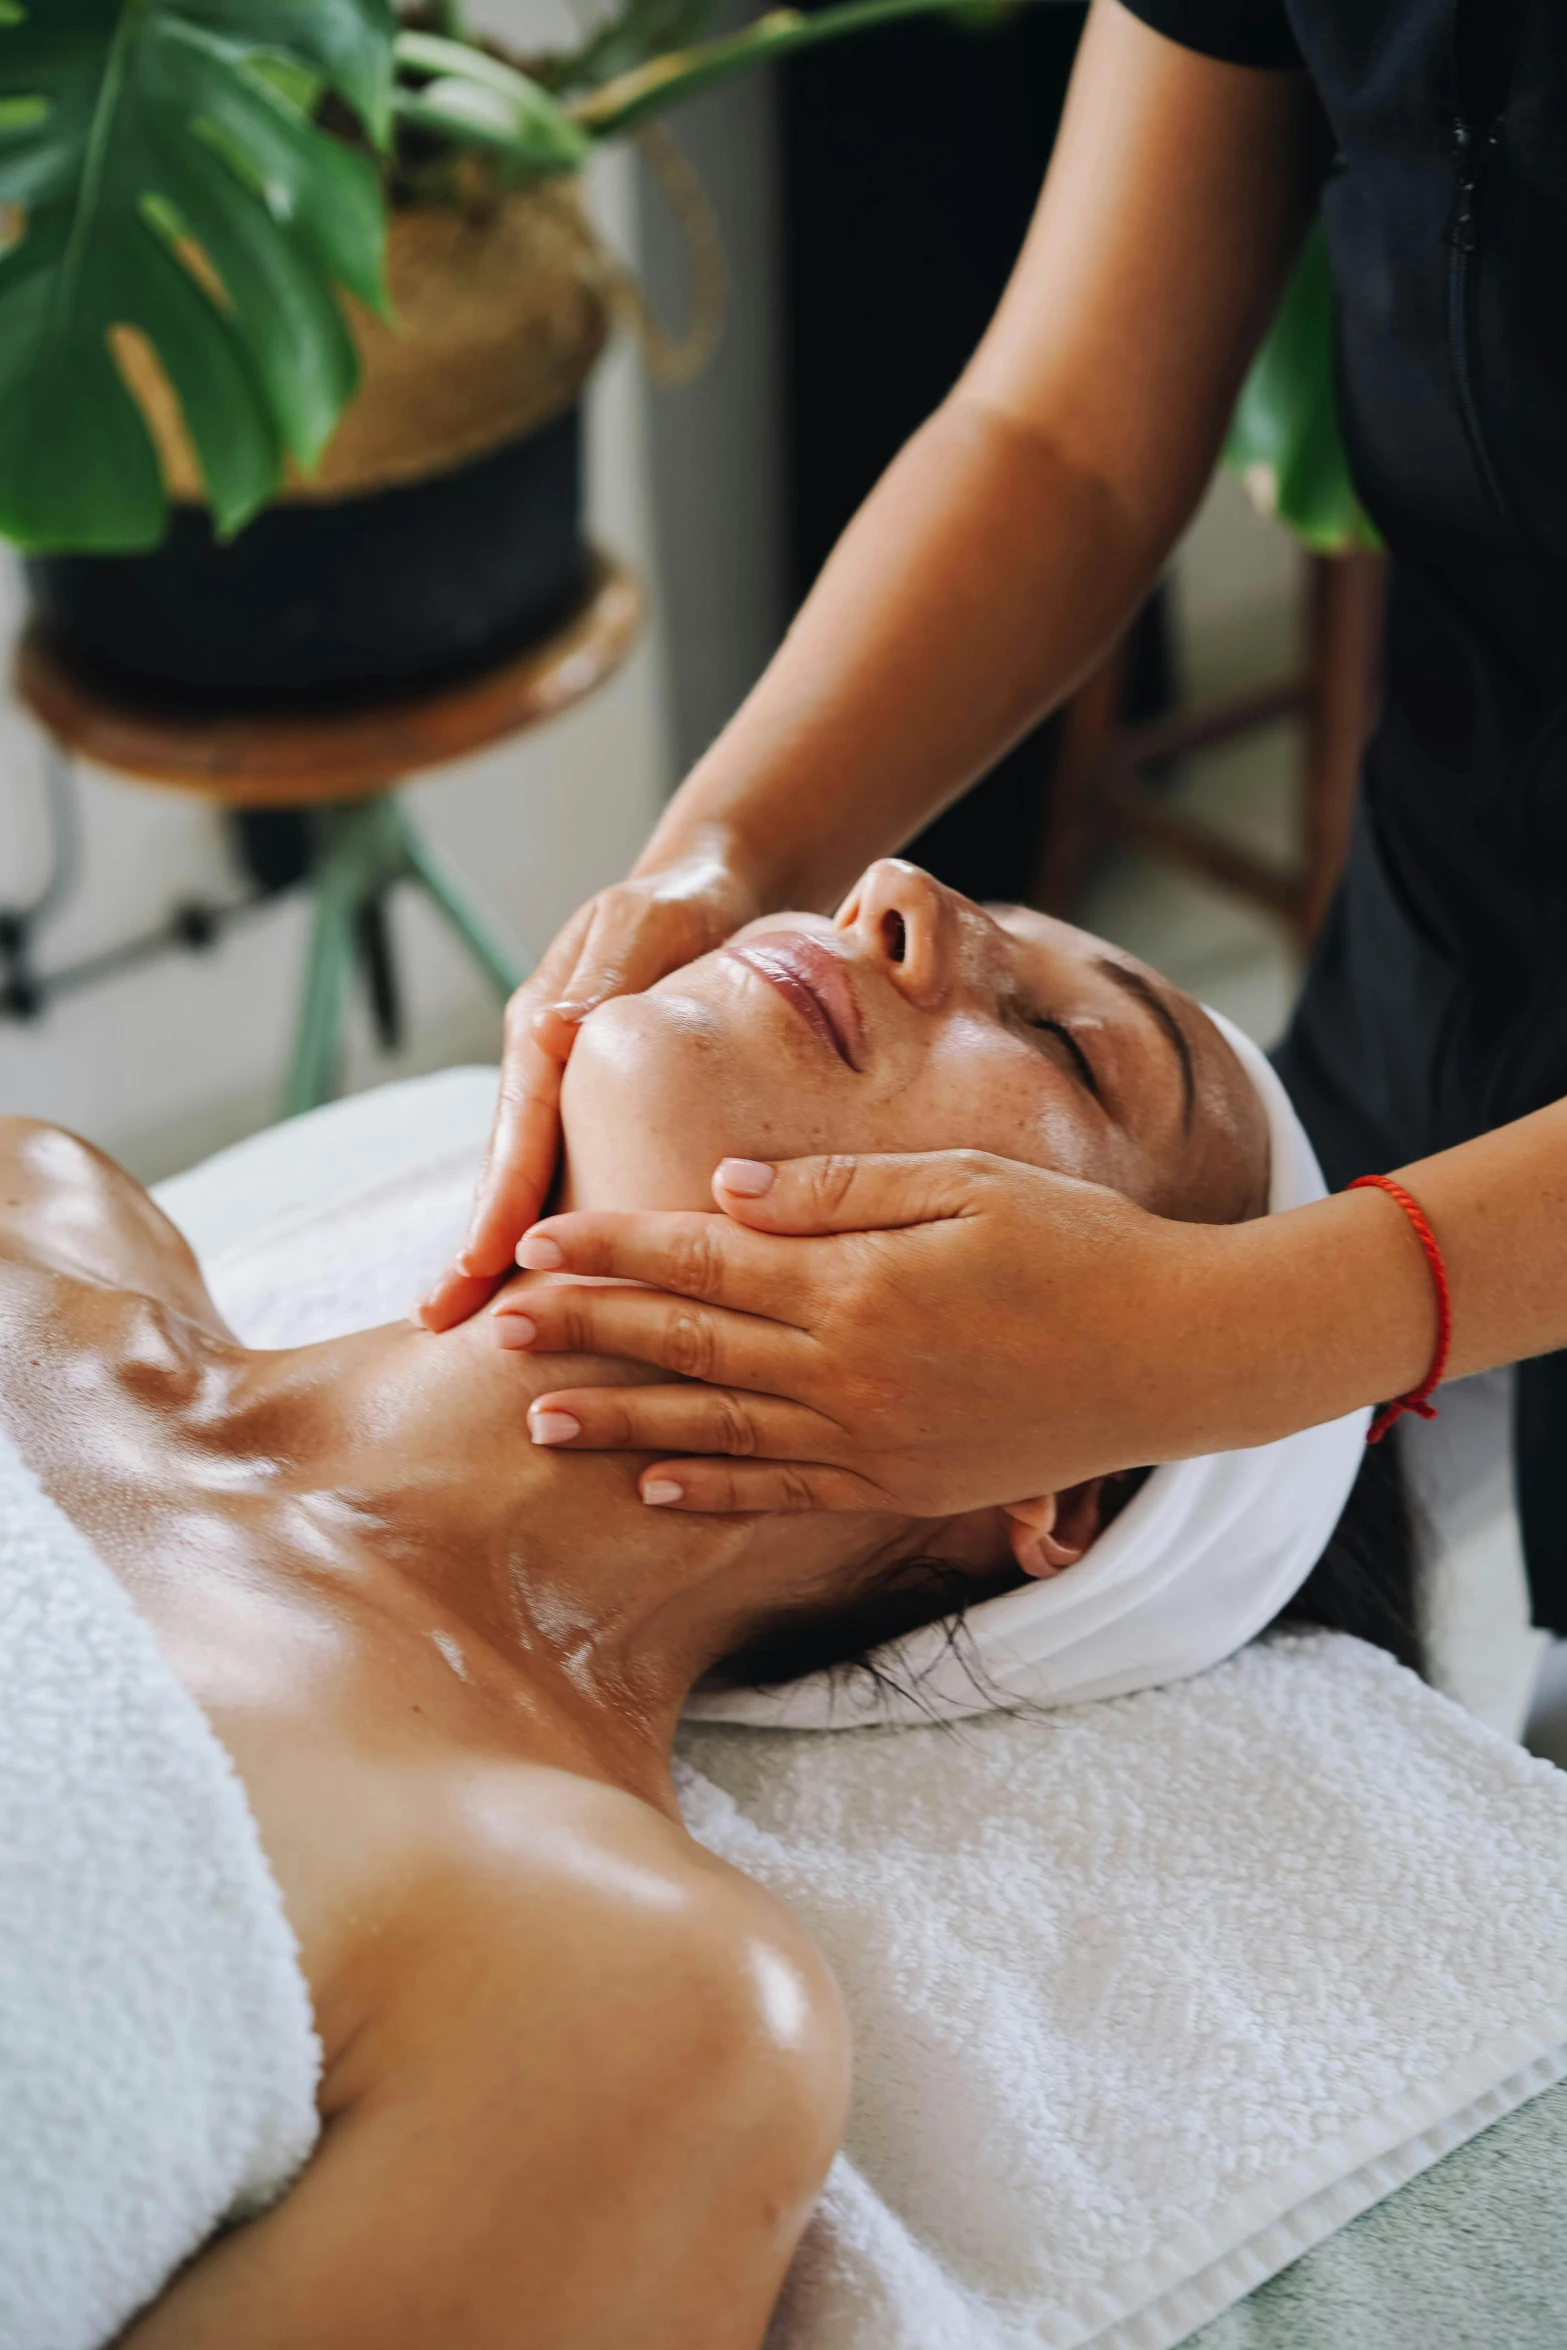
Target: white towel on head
{"points": [[1194, 1567], [157, 2057]]}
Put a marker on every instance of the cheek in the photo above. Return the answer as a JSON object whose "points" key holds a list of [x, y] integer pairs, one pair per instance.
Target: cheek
{"points": [[660, 1087], [978, 1090], [632, 1107]]}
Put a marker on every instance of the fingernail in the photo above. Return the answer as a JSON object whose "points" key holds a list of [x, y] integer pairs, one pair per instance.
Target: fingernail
{"points": [[749, 1177], [537, 1253], [553, 1427], [516, 1329], [659, 1492], [557, 1015]]}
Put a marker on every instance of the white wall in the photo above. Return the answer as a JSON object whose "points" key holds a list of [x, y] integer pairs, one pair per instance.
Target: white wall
{"points": [[183, 1055], [1239, 593]]}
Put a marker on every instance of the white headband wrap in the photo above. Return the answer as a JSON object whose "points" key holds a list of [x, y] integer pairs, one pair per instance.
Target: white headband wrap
{"points": [[1194, 1567]]}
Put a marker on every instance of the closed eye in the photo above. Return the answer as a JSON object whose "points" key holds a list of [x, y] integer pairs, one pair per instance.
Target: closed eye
{"points": [[1081, 1064]]}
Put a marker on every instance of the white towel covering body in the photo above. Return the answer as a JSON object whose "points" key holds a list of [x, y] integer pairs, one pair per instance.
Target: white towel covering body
{"points": [[1148, 1995], [158, 2062]]}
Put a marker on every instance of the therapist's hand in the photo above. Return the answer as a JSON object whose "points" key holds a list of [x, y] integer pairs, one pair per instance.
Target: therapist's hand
{"points": [[990, 1340], [617, 944]]}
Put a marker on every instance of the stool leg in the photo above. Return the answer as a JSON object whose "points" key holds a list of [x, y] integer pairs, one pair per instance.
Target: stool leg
{"points": [[312, 1075], [462, 917], [361, 850], [378, 961]]}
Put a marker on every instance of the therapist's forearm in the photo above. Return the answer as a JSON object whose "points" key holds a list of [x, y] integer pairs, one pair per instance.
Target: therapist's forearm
{"points": [[1335, 1306], [1014, 537], [983, 578]]}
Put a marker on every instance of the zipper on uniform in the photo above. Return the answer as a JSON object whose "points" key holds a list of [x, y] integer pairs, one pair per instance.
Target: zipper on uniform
{"points": [[1472, 151]]}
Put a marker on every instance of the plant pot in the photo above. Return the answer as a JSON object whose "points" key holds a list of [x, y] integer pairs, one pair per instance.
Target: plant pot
{"points": [[443, 527]]}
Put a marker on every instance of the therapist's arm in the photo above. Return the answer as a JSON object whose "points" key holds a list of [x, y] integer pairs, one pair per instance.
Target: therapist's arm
{"points": [[1008, 544], [1006, 1332], [990, 570]]}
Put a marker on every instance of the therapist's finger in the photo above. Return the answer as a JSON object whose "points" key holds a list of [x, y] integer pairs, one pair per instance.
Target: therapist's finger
{"points": [[841, 1194], [518, 1171], [455, 1298], [675, 1333], [682, 1419], [771, 1488], [524, 1143], [691, 1255], [519, 1164]]}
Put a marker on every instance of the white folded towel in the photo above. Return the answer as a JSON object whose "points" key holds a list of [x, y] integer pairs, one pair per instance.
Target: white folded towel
{"points": [[158, 2062], [1148, 1995]]}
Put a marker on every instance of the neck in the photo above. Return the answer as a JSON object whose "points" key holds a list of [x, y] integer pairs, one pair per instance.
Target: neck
{"points": [[610, 1610]]}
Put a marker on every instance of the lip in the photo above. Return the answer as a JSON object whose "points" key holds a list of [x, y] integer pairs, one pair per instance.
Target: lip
{"points": [[811, 978]]}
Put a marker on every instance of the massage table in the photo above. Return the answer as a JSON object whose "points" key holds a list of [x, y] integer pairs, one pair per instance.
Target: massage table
{"points": [[1470, 2256]]}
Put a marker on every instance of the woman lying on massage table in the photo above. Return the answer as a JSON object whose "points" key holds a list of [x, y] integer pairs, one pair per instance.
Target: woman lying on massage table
{"points": [[581, 2080]]}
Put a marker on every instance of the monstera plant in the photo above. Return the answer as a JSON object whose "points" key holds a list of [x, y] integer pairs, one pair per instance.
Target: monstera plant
{"points": [[209, 174], [167, 173], [297, 303], [296, 306]]}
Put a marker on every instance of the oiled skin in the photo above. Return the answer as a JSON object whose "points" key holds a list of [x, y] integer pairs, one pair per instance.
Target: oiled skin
{"points": [[581, 2081]]}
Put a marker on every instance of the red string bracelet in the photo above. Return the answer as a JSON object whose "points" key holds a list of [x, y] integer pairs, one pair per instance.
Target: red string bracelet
{"points": [[1418, 1398]]}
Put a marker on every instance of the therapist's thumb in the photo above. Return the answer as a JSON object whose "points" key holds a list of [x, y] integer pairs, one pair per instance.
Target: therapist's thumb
{"points": [[840, 1194]]}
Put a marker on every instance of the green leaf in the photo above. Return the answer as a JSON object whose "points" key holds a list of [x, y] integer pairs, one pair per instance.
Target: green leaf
{"points": [[467, 115], [328, 195], [225, 414], [285, 317], [1284, 440], [171, 179], [349, 42], [477, 100], [292, 81], [671, 77], [31, 168], [642, 30], [74, 451]]}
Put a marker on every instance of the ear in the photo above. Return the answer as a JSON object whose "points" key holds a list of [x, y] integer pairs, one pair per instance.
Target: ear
{"points": [[1054, 1530]]}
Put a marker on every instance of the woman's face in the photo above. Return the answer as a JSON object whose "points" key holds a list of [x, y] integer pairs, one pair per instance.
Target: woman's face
{"points": [[914, 1021]]}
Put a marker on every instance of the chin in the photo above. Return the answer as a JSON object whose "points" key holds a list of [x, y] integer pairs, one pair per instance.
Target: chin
{"points": [[642, 1105]]}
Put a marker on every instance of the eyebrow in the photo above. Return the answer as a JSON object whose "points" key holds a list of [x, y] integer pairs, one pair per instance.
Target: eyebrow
{"points": [[1134, 984]]}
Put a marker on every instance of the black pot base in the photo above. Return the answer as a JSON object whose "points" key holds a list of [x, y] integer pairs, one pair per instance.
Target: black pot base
{"points": [[321, 607]]}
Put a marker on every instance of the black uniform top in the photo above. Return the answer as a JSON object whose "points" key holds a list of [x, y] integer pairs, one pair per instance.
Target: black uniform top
{"points": [[1436, 1005], [1242, 32]]}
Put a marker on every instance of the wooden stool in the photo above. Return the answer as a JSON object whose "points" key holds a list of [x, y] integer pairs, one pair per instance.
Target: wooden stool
{"points": [[1100, 790], [343, 767]]}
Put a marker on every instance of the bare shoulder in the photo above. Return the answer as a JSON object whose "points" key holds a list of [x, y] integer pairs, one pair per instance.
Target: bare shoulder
{"points": [[67, 1209], [583, 1898], [594, 2102]]}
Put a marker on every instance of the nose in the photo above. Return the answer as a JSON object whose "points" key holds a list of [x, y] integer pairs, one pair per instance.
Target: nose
{"points": [[909, 924]]}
